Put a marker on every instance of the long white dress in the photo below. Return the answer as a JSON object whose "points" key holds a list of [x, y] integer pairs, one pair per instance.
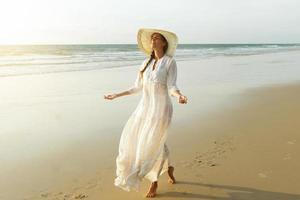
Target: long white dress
{"points": [[142, 149]]}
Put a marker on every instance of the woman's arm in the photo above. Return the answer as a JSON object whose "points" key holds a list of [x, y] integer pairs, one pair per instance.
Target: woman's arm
{"points": [[137, 87], [115, 95], [181, 97], [171, 81]]}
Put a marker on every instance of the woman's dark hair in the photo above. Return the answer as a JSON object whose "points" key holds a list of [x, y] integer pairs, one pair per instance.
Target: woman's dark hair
{"points": [[152, 56]]}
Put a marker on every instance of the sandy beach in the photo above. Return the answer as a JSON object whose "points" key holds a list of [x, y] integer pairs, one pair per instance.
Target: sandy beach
{"points": [[237, 138]]}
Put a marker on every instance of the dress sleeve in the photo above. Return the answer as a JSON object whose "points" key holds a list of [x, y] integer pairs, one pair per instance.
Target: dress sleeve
{"points": [[172, 77], [138, 84]]}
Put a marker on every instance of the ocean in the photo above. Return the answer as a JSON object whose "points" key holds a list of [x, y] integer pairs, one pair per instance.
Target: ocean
{"points": [[38, 59]]}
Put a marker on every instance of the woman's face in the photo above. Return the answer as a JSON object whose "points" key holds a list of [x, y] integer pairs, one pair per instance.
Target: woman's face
{"points": [[157, 41]]}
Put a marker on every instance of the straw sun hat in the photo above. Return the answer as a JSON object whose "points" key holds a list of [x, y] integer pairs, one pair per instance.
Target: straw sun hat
{"points": [[144, 40]]}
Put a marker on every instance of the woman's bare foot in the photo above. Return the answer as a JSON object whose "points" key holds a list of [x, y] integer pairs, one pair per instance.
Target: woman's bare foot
{"points": [[152, 190], [171, 176]]}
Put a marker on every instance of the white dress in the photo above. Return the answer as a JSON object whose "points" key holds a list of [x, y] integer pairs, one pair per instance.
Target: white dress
{"points": [[142, 148]]}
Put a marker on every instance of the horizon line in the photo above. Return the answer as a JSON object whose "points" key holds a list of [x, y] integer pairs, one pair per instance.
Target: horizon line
{"points": [[44, 44]]}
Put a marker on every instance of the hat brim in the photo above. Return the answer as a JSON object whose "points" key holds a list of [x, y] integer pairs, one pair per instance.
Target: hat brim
{"points": [[144, 40]]}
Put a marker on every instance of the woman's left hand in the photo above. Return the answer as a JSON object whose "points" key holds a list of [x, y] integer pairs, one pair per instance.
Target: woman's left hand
{"points": [[182, 99]]}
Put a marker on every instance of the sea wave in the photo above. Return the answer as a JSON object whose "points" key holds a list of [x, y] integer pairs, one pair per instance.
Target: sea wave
{"points": [[36, 59]]}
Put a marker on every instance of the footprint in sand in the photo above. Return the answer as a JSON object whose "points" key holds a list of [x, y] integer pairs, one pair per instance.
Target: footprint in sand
{"points": [[73, 196], [93, 184], [80, 196], [45, 194], [208, 159], [264, 174], [69, 196], [66, 196], [291, 142], [287, 156]]}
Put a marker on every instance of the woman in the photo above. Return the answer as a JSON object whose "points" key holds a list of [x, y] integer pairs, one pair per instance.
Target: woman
{"points": [[142, 149]]}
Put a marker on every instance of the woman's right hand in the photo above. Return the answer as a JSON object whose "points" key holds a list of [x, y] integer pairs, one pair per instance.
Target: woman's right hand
{"points": [[182, 99], [110, 96]]}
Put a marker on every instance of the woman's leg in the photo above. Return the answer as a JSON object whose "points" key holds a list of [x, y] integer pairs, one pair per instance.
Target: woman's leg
{"points": [[152, 190], [170, 167], [171, 175], [153, 187]]}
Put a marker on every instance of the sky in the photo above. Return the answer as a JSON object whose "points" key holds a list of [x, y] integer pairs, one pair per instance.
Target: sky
{"points": [[117, 21]]}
